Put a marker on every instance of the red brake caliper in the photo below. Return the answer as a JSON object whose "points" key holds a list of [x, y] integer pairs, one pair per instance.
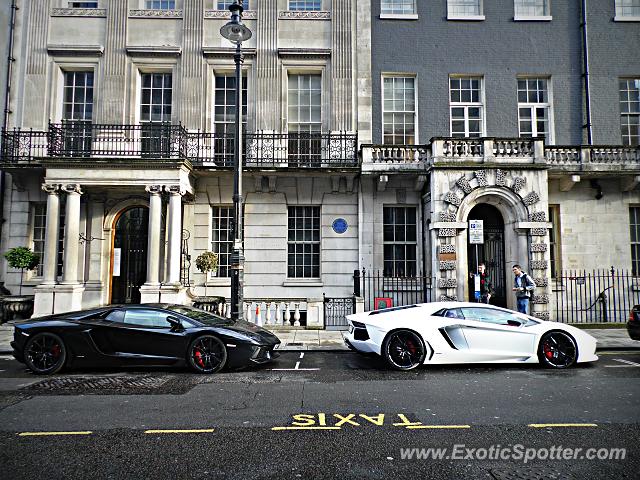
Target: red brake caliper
{"points": [[55, 351], [547, 351], [199, 360], [411, 347]]}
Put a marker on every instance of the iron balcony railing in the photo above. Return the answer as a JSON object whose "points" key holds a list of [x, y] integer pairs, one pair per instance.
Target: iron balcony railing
{"points": [[78, 139]]}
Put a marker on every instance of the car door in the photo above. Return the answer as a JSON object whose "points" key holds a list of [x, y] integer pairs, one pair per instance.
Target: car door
{"points": [[494, 335], [146, 335]]}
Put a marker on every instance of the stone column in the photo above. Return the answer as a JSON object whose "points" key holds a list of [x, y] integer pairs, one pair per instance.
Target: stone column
{"points": [[71, 235], [51, 234], [154, 240], [174, 223]]}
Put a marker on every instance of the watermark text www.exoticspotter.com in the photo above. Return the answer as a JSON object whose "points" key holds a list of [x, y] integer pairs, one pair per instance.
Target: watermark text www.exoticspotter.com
{"points": [[517, 452]]}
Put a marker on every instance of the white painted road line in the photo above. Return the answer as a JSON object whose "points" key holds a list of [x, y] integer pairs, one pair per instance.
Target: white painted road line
{"points": [[301, 355], [294, 369], [628, 362], [297, 365]]}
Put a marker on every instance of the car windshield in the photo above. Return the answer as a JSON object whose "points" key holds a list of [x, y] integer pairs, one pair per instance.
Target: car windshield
{"points": [[201, 316]]}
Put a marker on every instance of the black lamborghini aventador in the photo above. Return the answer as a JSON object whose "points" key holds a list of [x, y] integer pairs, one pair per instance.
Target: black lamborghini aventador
{"points": [[140, 335]]}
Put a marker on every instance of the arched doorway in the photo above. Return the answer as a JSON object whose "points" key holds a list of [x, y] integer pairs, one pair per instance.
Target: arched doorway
{"points": [[129, 255], [491, 252]]}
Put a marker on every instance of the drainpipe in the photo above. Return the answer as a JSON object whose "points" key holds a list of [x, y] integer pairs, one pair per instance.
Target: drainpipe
{"points": [[585, 73], [7, 110]]}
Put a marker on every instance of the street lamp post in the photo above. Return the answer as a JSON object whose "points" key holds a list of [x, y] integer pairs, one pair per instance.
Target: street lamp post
{"points": [[236, 32]]}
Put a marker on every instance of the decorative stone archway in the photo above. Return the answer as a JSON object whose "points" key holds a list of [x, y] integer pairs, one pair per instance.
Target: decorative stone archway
{"points": [[526, 228]]}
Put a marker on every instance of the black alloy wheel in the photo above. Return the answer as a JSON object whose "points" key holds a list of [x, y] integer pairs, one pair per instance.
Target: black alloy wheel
{"points": [[404, 350], [557, 350], [45, 353], [207, 354]]}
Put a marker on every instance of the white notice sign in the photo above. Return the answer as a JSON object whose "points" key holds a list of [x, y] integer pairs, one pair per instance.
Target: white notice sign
{"points": [[476, 234], [117, 255]]}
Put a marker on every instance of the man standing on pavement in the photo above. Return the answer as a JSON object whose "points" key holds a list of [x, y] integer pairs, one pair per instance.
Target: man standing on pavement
{"points": [[523, 288], [486, 287]]}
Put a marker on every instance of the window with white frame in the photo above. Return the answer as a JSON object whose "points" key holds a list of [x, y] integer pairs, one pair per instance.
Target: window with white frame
{"points": [[155, 113], [466, 105], [305, 5], [303, 242], [399, 110], [224, 116], [304, 119], [630, 111], [83, 4], [555, 256], [39, 228], [464, 8], [628, 8], [634, 230], [160, 4], [77, 112], [221, 237], [533, 107], [398, 7], [224, 4], [400, 234], [531, 8]]}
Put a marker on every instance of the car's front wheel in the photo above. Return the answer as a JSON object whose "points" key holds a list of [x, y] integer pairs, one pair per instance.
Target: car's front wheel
{"points": [[557, 350], [207, 354], [404, 350], [45, 353]]}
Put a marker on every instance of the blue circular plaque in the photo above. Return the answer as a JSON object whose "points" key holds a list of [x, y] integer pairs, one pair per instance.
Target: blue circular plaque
{"points": [[340, 225]]}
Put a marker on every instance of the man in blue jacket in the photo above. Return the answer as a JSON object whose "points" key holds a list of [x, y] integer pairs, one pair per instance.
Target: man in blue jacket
{"points": [[523, 288]]}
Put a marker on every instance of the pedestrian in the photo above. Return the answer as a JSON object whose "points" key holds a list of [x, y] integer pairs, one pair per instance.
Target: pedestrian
{"points": [[523, 288], [486, 287]]}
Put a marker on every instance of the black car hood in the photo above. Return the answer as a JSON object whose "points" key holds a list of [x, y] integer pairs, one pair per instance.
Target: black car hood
{"points": [[247, 327]]}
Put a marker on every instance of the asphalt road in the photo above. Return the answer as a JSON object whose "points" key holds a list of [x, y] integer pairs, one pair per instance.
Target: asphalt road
{"points": [[323, 415]]}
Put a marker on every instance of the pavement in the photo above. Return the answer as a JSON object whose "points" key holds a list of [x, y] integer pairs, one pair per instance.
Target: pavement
{"points": [[327, 340]]}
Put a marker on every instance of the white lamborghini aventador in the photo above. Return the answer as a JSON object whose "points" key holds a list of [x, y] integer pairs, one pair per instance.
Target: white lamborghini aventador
{"points": [[459, 332]]}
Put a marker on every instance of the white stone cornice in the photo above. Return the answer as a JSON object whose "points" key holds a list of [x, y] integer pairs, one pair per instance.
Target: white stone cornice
{"points": [[310, 15], [76, 50], [225, 15], [78, 12], [304, 52], [155, 13], [154, 50]]}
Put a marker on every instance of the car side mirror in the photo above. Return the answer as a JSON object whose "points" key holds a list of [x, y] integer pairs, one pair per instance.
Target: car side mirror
{"points": [[175, 323]]}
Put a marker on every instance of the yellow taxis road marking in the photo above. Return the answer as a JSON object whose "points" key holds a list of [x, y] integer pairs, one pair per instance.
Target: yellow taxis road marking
{"points": [[416, 427], [306, 428], [46, 434], [546, 425], [199, 430]]}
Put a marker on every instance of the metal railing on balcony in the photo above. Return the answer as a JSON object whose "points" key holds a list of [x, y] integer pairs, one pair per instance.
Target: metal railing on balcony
{"points": [[78, 139]]}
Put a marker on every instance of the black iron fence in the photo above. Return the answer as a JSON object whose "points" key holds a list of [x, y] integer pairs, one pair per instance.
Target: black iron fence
{"points": [[595, 296], [380, 291], [79, 139]]}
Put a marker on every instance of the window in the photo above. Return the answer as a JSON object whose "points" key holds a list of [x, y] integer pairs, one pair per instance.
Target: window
{"points": [[400, 241], [531, 8], [155, 114], [554, 241], [489, 315], [224, 4], [221, 238], [399, 110], [78, 96], [224, 117], [303, 259], [464, 9], [634, 227], [39, 223], [628, 9], [146, 318], [83, 4], [630, 111], [398, 7], [305, 5], [160, 5], [533, 107], [305, 119], [466, 106]]}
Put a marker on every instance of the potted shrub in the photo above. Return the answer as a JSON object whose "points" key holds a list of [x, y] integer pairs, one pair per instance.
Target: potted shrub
{"points": [[207, 262], [18, 305]]}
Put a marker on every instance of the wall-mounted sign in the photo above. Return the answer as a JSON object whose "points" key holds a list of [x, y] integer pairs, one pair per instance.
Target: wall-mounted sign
{"points": [[340, 225], [476, 232], [382, 302], [117, 256]]}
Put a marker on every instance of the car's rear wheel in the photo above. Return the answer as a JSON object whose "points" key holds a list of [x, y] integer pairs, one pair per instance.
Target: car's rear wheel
{"points": [[557, 350], [404, 350], [207, 354], [45, 353]]}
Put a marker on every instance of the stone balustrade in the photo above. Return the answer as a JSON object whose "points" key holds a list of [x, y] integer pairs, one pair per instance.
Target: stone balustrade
{"points": [[593, 158], [274, 312]]}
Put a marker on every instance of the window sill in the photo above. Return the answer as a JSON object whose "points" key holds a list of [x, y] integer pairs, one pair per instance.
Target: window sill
{"points": [[297, 282], [399, 16], [541, 18], [219, 282], [618, 18], [466, 18]]}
